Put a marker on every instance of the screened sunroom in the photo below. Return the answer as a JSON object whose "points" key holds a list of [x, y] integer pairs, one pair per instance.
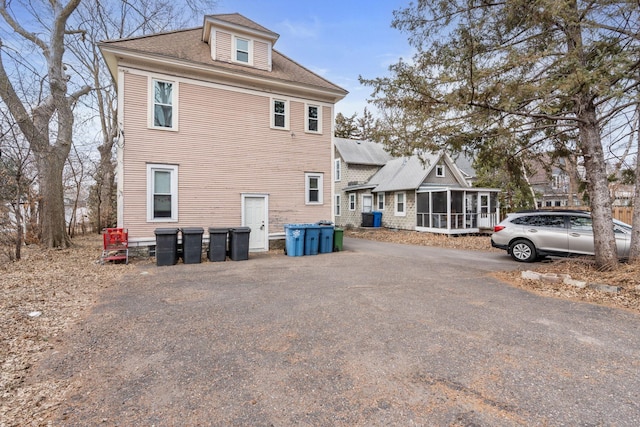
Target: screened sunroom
{"points": [[456, 210]]}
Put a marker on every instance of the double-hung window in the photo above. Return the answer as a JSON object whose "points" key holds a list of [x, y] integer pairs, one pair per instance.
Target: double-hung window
{"points": [[352, 201], [279, 114], [313, 188], [338, 170], [162, 192], [440, 171], [380, 204], [313, 122], [401, 204], [242, 50], [163, 96], [338, 208]]}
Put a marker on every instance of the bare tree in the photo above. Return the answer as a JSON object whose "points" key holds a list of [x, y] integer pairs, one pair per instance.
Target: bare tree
{"points": [[48, 127], [115, 20], [75, 179], [17, 180], [634, 251]]}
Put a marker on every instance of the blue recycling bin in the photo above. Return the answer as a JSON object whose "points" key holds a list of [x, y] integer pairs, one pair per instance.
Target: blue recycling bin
{"points": [[294, 239], [377, 219], [311, 239], [325, 245]]}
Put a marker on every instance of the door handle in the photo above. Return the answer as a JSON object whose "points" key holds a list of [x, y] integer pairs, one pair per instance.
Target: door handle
{"points": [[574, 234], [262, 226]]}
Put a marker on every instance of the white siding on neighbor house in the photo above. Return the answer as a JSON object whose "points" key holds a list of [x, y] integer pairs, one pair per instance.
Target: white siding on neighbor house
{"points": [[224, 148]]}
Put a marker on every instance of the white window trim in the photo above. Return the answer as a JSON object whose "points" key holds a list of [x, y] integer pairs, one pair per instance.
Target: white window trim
{"points": [[234, 46], [174, 104], [286, 114], [440, 170], [338, 208], [352, 202], [307, 177], [306, 119], [404, 198], [364, 205], [174, 192], [380, 197], [338, 170]]}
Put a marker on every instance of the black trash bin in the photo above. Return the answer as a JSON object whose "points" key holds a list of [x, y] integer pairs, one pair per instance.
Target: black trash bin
{"points": [[192, 245], [239, 243], [367, 219], [166, 246], [217, 244]]}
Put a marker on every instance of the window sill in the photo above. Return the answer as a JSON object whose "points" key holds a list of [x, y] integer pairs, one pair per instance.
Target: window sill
{"points": [[173, 129]]}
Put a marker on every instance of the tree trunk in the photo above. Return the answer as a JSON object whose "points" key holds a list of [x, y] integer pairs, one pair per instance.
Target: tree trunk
{"points": [[597, 185], [19, 221], [52, 217], [634, 251], [105, 182]]}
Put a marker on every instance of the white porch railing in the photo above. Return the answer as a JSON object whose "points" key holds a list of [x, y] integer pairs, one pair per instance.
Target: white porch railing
{"points": [[459, 221]]}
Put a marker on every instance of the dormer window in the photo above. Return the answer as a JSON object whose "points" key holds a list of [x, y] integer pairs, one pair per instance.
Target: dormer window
{"points": [[242, 50]]}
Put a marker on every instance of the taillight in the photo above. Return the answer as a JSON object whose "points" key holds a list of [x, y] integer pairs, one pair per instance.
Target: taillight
{"points": [[498, 228]]}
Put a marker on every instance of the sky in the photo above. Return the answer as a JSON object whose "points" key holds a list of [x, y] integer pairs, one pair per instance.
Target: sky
{"points": [[339, 40]]}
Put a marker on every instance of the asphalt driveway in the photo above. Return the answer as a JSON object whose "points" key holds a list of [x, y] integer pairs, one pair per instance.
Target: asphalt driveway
{"points": [[378, 335]]}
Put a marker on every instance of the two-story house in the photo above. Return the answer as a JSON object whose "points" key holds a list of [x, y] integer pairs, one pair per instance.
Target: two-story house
{"points": [[219, 129], [427, 192]]}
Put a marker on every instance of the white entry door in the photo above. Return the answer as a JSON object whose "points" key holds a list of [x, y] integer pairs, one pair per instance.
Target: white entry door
{"points": [[254, 216], [484, 210]]}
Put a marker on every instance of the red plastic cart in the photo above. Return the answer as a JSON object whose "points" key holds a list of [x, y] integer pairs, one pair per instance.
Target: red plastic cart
{"points": [[115, 245]]}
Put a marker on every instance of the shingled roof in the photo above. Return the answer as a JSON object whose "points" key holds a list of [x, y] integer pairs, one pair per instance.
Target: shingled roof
{"points": [[188, 46], [362, 152]]}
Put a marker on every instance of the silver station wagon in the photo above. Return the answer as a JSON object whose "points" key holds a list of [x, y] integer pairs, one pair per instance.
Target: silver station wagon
{"points": [[531, 235]]}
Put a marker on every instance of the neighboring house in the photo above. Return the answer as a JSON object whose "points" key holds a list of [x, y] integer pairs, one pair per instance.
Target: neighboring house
{"points": [[551, 183], [423, 193], [218, 129]]}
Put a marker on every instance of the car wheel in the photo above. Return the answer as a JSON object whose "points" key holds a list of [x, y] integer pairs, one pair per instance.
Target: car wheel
{"points": [[523, 251]]}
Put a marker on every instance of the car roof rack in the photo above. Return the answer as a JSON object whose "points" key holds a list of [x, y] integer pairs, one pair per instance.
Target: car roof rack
{"points": [[554, 210]]}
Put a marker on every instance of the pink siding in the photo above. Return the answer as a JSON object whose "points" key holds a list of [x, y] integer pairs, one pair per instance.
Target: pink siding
{"points": [[224, 147], [223, 46], [260, 55]]}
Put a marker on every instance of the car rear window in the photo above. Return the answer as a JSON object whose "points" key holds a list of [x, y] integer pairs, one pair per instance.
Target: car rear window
{"points": [[581, 223]]}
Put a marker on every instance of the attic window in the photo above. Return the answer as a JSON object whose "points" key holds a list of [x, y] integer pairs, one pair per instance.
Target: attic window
{"points": [[242, 50], [440, 171]]}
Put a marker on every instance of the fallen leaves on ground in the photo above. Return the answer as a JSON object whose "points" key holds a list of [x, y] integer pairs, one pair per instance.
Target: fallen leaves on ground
{"points": [[43, 294]]}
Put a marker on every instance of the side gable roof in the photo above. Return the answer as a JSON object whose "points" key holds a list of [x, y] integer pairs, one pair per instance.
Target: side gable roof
{"points": [[186, 49], [362, 152]]}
